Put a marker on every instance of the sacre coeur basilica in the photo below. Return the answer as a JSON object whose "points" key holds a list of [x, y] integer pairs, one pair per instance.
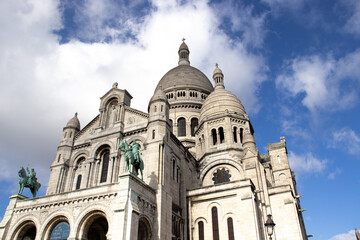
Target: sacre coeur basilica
{"points": [[188, 169]]}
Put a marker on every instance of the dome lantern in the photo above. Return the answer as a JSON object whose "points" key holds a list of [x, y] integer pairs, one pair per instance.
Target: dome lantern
{"points": [[184, 54], [218, 77], [74, 123]]}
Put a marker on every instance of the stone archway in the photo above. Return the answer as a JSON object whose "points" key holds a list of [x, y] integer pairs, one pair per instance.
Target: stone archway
{"points": [[26, 232], [144, 230], [94, 227], [98, 229]]}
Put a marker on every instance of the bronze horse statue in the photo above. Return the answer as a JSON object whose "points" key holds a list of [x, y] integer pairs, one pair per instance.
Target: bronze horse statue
{"points": [[28, 181], [132, 157]]}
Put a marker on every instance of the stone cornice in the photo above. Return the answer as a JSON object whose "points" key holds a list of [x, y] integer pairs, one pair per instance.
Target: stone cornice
{"points": [[65, 202], [90, 124], [137, 112]]}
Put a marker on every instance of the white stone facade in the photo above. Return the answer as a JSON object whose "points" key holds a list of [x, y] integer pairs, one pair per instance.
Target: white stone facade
{"points": [[204, 178]]}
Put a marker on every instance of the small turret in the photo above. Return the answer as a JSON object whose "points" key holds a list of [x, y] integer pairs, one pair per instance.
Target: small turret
{"points": [[249, 141], [184, 54], [218, 77], [71, 128], [60, 166], [159, 107], [158, 110]]}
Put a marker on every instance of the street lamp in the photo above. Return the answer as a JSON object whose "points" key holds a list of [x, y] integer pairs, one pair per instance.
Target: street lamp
{"points": [[269, 224]]}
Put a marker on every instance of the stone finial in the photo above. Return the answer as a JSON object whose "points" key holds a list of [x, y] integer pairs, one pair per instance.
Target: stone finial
{"points": [[218, 77], [184, 53], [357, 234], [115, 85]]}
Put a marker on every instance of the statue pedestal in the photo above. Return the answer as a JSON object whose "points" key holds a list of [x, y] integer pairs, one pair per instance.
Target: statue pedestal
{"points": [[9, 211]]}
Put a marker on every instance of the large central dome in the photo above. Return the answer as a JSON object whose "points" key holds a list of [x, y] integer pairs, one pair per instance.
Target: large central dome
{"points": [[184, 76]]}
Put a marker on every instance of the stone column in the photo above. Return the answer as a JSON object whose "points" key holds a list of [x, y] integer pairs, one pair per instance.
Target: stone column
{"points": [[110, 170], [89, 173], [96, 171], [59, 180]]}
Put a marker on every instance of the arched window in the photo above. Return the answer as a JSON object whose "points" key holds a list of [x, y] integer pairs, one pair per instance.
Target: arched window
{"points": [[171, 125], [215, 223], [65, 134], [78, 182], [144, 230], [59, 157], [153, 134], [235, 134], [173, 168], [27, 231], [70, 135], [177, 174], [230, 228], [162, 108], [214, 136], [194, 124], [181, 127], [221, 135], [241, 135], [155, 108], [105, 167], [60, 231], [201, 230]]}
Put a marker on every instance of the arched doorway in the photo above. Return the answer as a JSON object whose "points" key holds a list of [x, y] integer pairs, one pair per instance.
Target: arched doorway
{"points": [[98, 229], [27, 231], [94, 226], [144, 230]]}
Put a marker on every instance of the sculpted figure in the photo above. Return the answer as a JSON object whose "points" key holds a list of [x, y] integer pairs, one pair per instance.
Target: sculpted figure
{"points": [[113, 115], [32, 177], [139, 164], [28, 181], [132, 157]]}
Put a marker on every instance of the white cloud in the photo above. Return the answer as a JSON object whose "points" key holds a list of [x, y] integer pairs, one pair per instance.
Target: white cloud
{"points": [[306, 163], [320, 80], [345, 236], [243, 21], [277, 5], [333, 174], [44, 83], [352, 24], [346, 139], [293, 127]]}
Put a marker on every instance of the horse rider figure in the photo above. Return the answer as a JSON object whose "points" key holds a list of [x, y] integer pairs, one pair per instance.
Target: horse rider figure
{"points": [[135, 149], [32, 177]]}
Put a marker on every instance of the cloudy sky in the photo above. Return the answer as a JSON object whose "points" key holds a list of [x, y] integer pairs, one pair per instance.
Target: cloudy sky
{"points": [[295, 65]]}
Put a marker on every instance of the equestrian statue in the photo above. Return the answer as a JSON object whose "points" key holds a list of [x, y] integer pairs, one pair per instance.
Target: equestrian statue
{"points": [[28, 181], [132, 157]]}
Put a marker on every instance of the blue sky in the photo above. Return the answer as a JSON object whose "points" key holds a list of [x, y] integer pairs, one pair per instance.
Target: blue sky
{"points": [[295, 65]]}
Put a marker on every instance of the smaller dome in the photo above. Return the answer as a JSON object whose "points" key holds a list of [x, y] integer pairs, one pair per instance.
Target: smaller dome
{"points": [[74, 122], [159, 95], [183, 46], [220, 102], [217, 70]]}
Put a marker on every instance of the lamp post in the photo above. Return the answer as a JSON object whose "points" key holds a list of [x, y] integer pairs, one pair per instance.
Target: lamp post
{"points": [[269, 224]]}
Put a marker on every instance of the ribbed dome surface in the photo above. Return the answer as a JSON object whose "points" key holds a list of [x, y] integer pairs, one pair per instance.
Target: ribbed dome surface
{"points": [[158, 95], [74, 122], [183, 46], [184, 76], [220, 101]]}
